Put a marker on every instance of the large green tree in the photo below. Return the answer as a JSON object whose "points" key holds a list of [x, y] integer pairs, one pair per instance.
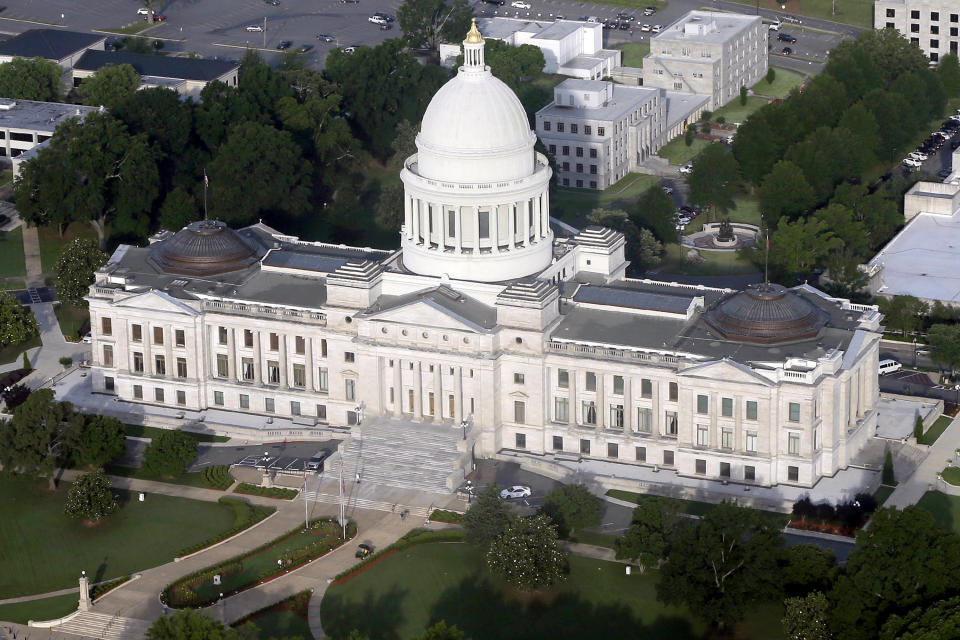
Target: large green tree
{"points": [[805, 618], [722, 565], [179, 209], [937, 621], [784, 192], [572, 507], [95, 440], [487, 517], [161, 115], [511, 64], [797, 247], [713, 180], [442, 631], [33, 440], [31, 79], [651, 529], [109, 86], [169, 453], [903, 313], [17, 323], [949, 73], [75, 268], [655, 210], [945, 340], [807, 568], [90, 497], [189, 624], [427, 23], [527, 555], [643, 249]]}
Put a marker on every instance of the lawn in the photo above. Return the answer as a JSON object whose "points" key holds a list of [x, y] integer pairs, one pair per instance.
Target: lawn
{"points": [[45, 609], [945, 509], [282, 624], [952, 475], [140, 431], [746, 209], [783, 83], [882, 493], [408, 591], [695, 507], [43, 550], [734, 112], [716, 263], [9, 284], [188, 479], [11, 254], [74, 321], [51, 242], [593, 537], [855, 12], [938, 427], [13, 352], [677, 152], [633, 53], [572, 205]]}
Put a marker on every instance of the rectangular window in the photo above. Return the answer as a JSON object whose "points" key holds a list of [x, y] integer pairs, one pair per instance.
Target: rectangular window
{"points": [[726, 407], [560, 127], [158, 335], [794, 412], [323, 347], [247, 338], [273, 372], [158, 394], [749, 473], [724, 469], [793, 474], [350, 389], [584, 446], [701, 466], [518, 378], [160, 364], [616, 416], [300, 345], [750, 442], [561, 410], [573, 128], [751, 409], [294, 408], [613, 451], [793, 444], [668, 458], [586, 130], [558, 443], [519, 412], [670, 423], [726, 438], [321, 412], [703, 435], [589, 415], [618, 385], [179, 338], [218, 398], [646, 388], [563, 378], [138, 391], [247, 366], [299, 375], [579, 152], [640, 454], [274, 342], [644, 419], [674, 392], [137, 333], [891, 13], [601, 131], [703, 404], [934, 16], [483, 223], [244, 401], [593, 153], [521, 440], [410, 400], [268, 405], [452, 223], [593, 169], [222, 365], [565, 150], [591, 381], [106, 326], [322, 381], [181, 397], [181, 367], [934, 30], [546, 124], [349, 356], [108, 355], [221, 335]]}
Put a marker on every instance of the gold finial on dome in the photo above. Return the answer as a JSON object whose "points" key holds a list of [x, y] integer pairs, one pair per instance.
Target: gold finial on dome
{"points": [[473, 36]]}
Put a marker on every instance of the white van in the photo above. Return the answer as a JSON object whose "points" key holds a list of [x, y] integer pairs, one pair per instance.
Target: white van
{"points": [[775, 26], [889, 366]]}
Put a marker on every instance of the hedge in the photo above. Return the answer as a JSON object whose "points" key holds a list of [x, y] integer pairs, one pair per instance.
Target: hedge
{"points": [[266, 492], [217, 477], [101, 589], [245, 515], [412, 538], [450, 517], [297, 603]]}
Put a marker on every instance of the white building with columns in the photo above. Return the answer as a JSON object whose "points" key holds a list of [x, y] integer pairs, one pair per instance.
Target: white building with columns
{"points": [[491, 319]]}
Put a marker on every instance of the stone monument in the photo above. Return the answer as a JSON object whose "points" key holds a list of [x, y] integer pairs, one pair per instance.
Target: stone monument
{"points": [[725, 237], [84, 592]]}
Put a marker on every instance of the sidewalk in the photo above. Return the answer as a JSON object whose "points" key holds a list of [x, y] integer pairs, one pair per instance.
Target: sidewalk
{"points": [[911, 489], [31, 256]]}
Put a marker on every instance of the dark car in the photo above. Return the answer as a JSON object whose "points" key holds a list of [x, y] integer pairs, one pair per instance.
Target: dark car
{"points": [[786, 51], [943, 173], [157, 18], [499, 3], [363, 551], [385, 16], [955, 144], [275, 3], [689, 211], [625, 16], [624, 26], [349, 1], [305, 47], [326, 37], [284, 44], [786, 37]]}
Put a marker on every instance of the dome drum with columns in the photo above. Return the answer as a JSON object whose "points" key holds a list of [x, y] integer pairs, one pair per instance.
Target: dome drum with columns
{"points": [[476, 195]]}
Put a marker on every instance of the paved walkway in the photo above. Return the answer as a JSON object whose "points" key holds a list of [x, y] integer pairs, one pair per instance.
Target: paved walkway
{"points": [[31, 256], [911, 489]]}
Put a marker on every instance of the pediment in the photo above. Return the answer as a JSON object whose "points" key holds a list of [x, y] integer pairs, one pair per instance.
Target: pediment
{"points": [[429, 316], [156, 301], [726, 370]]}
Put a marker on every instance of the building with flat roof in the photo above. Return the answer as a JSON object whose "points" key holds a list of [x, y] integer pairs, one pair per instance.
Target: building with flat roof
{"points": [[62, 47], [708, 53], [186, 76], [24, 124], [598, 131], [932, 25]]}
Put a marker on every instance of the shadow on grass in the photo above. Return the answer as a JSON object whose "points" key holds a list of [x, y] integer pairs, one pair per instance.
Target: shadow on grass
{"points": [[943, 509], [482, 612], [379, 618]]}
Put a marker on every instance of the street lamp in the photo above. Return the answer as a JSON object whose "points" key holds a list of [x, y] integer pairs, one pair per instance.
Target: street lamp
{"points": [[914, 352], [223, 609], [463, 425]]}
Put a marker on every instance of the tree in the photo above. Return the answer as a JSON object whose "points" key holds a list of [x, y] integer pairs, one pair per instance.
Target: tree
{"points": [[31, 79], [17, 323], [161, 115], [949, 73], [918, 428], [169, 453], [902, 560], [487, 517], [389, 210], [440, 631], [903, 313], [404, 144], [796, 247], [571, 507], [862, 124], [937, 621], [75, 270], [945, 341], [425, 23], [32, 441], [713, 178], [648, 538], [805, 617], [722, 565], [15, 396], [808, 568], [179, 209], [109, 86], [887, 474], [643, 250], [743, 95], [95, 440], [527, 555], [784, 192], [511, 64], [654, 210], [189, 623], [276, 177], [771, 75], [90, 497]]}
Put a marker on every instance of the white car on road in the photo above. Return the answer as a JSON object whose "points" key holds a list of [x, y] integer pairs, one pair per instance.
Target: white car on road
{"points": [[687, 168], [516, 491], [910, 162], [254, 27], [919, 157], [519, 4]]}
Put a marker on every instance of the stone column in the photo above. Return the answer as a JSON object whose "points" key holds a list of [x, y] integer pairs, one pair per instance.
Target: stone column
{"points": [[438, 392], [537, 203], [627, 405], [308, 364], [512, 225], [437, 216], [495, 228], [84, 603], [283, 361], [415, 215], [545, 212], [458, 229], [398, 398], [525, 223], [257, 359], [572, 388], [231, 354], [458, 394], [407, 216], [417, 391], [476, 230], [602, 407]]}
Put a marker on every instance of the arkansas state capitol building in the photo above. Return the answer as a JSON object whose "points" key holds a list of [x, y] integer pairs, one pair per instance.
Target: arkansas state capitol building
{"points": [[485, 318]]}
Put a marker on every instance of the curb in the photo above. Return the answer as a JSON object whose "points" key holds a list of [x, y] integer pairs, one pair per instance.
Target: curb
{"points": [[132, 579], [821, 536]]}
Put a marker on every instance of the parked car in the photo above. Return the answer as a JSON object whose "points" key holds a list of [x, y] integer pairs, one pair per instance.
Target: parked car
{"points": [[385, 16], [305, 47], [786, 51], [499, 3], [315, 463], [516, 491], [944, 173], [625, 25], [254, 27], [687, 168], [955, 144], [520, 4], [158, 18], [349, 1], [667, 190], [786, 37], [729, 139], [375, 19], [910, 162], [326, 37], [919, 157], [656, 28], [791, 19], [649, 11], [889, 366], [273, 3], [625, 16], [284, 44], [349, 50], [688, 211], [645, 27], [775, 26], [143, 11]]}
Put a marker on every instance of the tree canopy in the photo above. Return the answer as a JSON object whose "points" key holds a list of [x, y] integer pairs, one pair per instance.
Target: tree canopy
{"points": [[945, 340], [527, 555], [90, 497], [17, 323], [33, 440], [109, 86], [75, 268], [651, 528], [31, 79], [487, 517], [169, 453], [426, 23], [713, 178], [572, 507]]}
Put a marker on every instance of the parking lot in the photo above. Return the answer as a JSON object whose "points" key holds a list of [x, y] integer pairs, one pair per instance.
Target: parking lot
{"points": [[290, 453]]}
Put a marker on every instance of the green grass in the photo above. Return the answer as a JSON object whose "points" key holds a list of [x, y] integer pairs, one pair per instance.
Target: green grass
{"points": [[882, 493], [855, 12], [633, 53], [677, 152], [716, 263], [51, 243], [282, 624], [188, 479], [952, 475], [938, 427], [8, 284], [573, 205], [74, 321], [695, 507], [733, 111], [746, 209], [595, 538], [14, 352], [45, 609], [404, 593], [12, 264], [945, 509], [43, 550], [140, 431], [784, 82]]}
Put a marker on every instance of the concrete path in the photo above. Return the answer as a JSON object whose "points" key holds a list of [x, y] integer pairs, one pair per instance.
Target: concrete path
{"points": [[911, 489], [31, 255], [41, 596]]}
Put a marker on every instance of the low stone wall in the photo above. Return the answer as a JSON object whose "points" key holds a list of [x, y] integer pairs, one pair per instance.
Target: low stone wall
{"points": [[945, 487]]}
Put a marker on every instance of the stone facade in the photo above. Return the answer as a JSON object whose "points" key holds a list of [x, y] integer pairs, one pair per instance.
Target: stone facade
{"points": [[932, 25]]}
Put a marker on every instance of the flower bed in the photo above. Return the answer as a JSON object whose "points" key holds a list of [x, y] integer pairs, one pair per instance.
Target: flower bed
{"points": [[245, 515], [450, 517], [823, 527], [283, 554], [415, 537], [266, 492], [101, 589]]}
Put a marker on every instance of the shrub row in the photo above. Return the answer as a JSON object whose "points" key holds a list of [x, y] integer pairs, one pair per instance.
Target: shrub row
{"points": [[217, 477], [849, 514], [412, 538], [266, 492], [450, 517], [245, 515], [297, 603], [98, 590]]}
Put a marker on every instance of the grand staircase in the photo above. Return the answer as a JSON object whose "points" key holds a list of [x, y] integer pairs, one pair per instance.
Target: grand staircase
{"points": [[408, 455], [89, 624]]}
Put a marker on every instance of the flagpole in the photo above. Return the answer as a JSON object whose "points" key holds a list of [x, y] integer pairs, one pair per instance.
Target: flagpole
{"points": [[766, 259], [206, 183]]}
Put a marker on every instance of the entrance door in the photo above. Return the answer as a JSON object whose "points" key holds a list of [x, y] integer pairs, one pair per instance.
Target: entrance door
{"points": [[431, 404]]}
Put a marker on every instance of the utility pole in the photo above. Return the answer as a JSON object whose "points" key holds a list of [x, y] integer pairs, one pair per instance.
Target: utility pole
{"points": [[264, 32], [343, 522], [306, 517]]}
